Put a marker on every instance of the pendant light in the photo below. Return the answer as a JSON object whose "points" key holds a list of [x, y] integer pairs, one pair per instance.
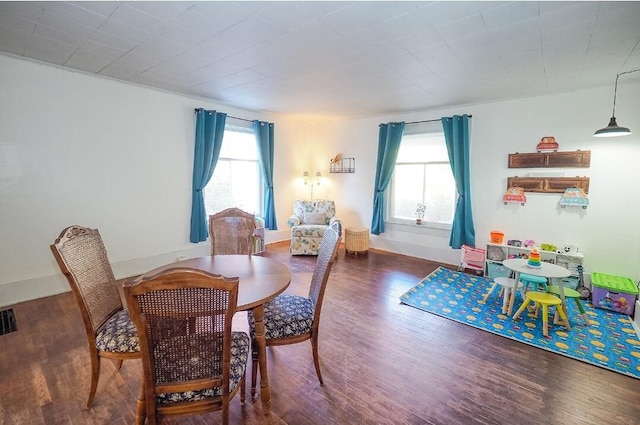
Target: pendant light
{"points": [[613, 129]]}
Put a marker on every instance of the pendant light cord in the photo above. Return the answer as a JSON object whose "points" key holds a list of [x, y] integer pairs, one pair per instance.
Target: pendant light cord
{"points": [[615, 90]]}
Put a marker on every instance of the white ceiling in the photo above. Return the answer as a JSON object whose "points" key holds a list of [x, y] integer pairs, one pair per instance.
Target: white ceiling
{"points": [[331, 58]]}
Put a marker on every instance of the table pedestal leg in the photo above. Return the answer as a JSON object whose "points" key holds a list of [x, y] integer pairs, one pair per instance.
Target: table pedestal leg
{"points": [[512, 301], [265, 391]]}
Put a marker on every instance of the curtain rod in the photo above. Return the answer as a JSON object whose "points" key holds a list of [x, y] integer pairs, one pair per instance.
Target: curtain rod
{"points": [[231, 116], [420, 122]]}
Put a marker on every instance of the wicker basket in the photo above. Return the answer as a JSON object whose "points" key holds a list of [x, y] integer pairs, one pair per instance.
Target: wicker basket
{"points": [[356, 239]]}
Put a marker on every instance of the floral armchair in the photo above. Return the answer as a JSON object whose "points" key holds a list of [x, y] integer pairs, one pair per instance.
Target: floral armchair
{"points": [[308, 222]]}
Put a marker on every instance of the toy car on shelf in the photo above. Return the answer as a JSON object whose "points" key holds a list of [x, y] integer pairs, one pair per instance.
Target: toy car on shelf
{"points": [[548, 143], [514, 194]]}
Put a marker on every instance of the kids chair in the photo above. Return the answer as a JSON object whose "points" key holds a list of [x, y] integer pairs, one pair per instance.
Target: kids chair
{"points": [[569, 293], [545, 300], [507, 285], [534, 281]]}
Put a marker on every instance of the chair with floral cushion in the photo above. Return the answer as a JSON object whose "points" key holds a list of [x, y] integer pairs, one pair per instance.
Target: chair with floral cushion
{"points": [[289, 319], [308, 223], [82, 258], [192, 361]]}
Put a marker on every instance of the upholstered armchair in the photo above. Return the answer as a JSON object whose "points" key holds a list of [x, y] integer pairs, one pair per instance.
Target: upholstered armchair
{"points": [[308, 222]]}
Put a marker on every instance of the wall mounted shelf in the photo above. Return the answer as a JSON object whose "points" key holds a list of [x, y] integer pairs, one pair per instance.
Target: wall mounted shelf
{"points": [[343, 165], [549, 184], [569, 159]]}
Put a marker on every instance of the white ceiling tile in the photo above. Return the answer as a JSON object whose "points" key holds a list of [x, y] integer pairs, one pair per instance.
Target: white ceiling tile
{"points": [[88, 60], [72, 13], [125, 31], [222, 14], [576, 13], [17, 22], [383, 10], [104, 8], [56, 28], [286, 15], [13, 41], [321, 8], [49, 50], [136, 18], [509, 14], [346, 20], [113, 41], [158, 48], [166, 11]]}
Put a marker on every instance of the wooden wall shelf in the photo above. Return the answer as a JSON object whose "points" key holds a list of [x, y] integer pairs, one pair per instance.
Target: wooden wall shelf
{"points": [[549, 184], [569, 159]]}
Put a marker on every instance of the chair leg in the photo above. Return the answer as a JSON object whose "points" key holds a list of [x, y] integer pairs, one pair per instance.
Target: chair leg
{"points": [[95, 375], [545, 320], [505, 299], [493, 287], [316, 359], [254, 368], [564, 317], [119, 364], [141, 408], [521, 309], [243, 384], [582, 312]]}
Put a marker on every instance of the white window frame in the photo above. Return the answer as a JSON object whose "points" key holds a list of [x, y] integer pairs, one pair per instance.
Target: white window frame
{"points": [[246, 129], [422, 128]]}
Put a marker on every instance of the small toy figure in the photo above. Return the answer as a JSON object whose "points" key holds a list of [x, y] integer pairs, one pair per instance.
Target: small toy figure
{"points": [[529, 243]]}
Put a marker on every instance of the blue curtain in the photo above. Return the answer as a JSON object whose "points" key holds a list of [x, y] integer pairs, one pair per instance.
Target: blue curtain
{"points": [[389, 139], [264, 138], [456, 134], [209, 132]]}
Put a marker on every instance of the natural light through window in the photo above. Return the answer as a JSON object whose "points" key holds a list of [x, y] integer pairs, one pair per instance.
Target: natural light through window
{"points": [[422, 175], [236, 180]]}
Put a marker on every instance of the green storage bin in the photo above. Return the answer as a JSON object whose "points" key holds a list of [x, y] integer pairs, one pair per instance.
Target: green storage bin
{"points": [[614, 293]]}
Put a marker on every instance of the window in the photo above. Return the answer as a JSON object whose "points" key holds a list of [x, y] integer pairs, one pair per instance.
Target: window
{"points": [[237, 179], [422, 175]]}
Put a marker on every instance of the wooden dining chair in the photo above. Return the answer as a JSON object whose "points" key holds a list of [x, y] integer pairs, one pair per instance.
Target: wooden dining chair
{"points": [[192, 362], [289, 319], [231, 232], [82, 258]]}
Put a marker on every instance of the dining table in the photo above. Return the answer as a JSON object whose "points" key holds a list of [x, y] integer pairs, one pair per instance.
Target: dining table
{"points": [[547, 270], [260, 280]]}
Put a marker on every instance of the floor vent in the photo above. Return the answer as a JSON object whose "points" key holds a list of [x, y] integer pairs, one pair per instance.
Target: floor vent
{"points": [[7, 322]]}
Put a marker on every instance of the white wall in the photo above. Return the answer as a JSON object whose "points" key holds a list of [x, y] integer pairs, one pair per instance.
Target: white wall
{"points": [[78, 149], [607, 232]]}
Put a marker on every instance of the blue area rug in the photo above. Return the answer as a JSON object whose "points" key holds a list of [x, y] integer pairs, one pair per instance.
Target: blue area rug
{"points": [[609, 342]]}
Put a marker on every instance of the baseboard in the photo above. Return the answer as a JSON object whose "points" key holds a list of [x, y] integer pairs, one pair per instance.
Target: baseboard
{"points": [[431, 253]]}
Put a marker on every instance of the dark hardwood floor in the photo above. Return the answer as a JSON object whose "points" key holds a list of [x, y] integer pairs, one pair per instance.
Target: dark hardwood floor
{"points": [[383, 363]]}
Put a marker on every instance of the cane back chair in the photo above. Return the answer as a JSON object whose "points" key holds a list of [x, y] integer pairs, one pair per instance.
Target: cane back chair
{"points": [[231, 232], [82, 258], [192, 362], [289, 319]]}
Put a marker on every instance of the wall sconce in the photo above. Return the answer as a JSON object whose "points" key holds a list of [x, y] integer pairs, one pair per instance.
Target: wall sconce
{"points": [[613, 130], [313, 182]]}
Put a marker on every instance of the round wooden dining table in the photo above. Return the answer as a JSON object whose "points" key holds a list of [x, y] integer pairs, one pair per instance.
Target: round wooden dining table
{"points": [[261, 279]]}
